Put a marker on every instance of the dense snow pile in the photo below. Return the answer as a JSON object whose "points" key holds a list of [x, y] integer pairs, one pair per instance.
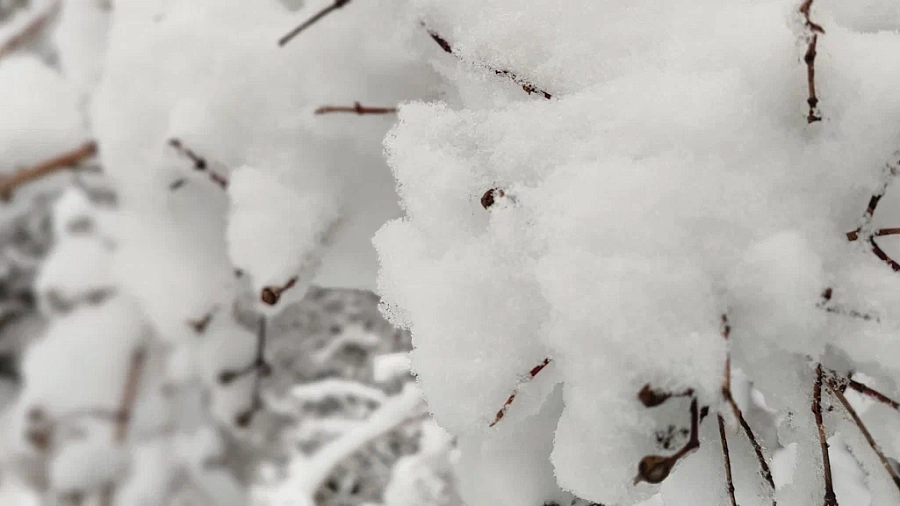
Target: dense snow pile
{"points": [[674, 169]]}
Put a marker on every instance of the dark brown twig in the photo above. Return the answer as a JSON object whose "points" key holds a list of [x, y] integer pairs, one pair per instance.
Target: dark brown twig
{"points": [[656, 468], [836, 391], [270, 295], [62, 162], [31, 30], [531, 374], [262, 369], [356, 108], [126, 410], [824, 305], [863, 231], [871, 392], [830, 498], [526, 85], [200, 165], [727, 457], [764, 469], [311, 21], [809, 58]]}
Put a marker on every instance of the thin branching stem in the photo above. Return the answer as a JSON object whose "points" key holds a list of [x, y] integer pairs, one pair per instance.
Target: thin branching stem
{"points": [[58, 163], [729, 481], [836, 391], [311, 21], [829, 498], [356, 108]]}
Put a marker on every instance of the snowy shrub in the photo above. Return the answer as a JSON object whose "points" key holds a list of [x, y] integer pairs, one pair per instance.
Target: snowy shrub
{"points": [[617, 204]]}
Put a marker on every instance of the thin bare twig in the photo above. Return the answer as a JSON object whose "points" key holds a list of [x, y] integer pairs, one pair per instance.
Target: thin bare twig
{"points": [[525, 84], [825, 305], [311, 21], [830, 498], [31, 30], [262, 369], [836, 391], [764, 469], [531, 374], [356, 108], [813, 31], [727, 457], [200, 165], [62, 162], [871, 392], [125, 412], [864, 232]]}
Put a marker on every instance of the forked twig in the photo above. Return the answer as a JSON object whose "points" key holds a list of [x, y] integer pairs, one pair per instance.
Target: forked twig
{"points": [[200, 165], [64, 161], [262, 369], [836, 391], [764, 469]]}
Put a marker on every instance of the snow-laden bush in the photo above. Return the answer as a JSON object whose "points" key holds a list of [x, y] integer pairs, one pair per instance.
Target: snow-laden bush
{"points": [[620, 202]]}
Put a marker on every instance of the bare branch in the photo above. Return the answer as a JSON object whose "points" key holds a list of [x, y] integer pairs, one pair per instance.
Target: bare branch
{"points": [[764, 469], [31, 30], [813, 31], [311, 21], [865, 431], [830, 498], [531, 374], [262, 369], [526, 85], [200, 165], [62, 162], [729, 481], [356, 108]]}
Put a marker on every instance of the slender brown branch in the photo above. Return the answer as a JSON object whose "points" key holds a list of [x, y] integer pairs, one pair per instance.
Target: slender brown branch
{"points": [[126, 410], [880, 232], [764, 469], [830, 498], [824, 304], [356, 108], [200, 165], [813, 31], [656, 468], [272, 294], [262, 369], [727, 456], [871, 392], [64, 161], [836, 391], [531, 374], [31, 30], [525, 84], [311, 21], [864, 232]]}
